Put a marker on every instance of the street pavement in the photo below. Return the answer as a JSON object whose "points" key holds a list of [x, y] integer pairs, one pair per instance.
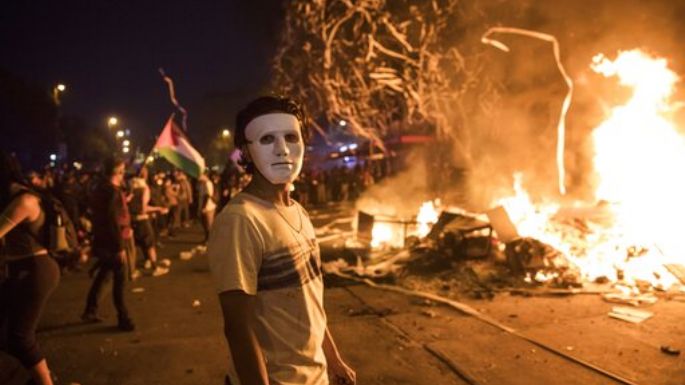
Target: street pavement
{"points": [[389, 338]]}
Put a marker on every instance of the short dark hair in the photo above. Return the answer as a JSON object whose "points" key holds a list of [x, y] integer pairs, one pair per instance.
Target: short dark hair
{"points": [[10, 171], [266, 105], [112, 163]]}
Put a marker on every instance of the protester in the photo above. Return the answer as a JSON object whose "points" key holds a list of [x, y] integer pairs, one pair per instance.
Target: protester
{"points": [[185, 198], [171, 197], [265, 261], [159, 219], [112, 242], [206, 204], [143, 232], [32, 273]]}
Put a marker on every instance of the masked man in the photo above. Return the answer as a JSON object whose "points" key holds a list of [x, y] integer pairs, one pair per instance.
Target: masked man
{"points": [[265, 261]]}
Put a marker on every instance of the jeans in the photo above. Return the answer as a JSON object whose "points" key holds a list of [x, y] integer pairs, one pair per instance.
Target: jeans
{"points": [[110, 265]]}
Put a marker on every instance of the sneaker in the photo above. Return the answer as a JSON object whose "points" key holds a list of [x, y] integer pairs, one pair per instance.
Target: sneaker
{"points": [[126, 325], [164, 262], [148, 265], [135, 275], [201, 249], [159, 270], [90, 317]]}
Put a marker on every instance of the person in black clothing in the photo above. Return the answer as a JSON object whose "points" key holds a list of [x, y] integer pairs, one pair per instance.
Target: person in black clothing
{"points": [[112, 241], [32, 274]]}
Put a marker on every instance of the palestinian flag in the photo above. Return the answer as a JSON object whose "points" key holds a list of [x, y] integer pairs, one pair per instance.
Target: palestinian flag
{"points": [[175, 147]]}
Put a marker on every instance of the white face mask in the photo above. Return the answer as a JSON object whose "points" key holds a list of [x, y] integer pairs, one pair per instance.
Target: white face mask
{"points": [[275, 144]]}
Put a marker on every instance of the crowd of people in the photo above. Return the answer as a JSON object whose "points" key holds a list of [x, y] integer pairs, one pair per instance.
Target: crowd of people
{"points": [[115, 213], [121, 215]]}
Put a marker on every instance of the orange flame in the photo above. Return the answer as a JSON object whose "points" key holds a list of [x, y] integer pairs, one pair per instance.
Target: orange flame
{"points": [[636, 148], [392, 233]]}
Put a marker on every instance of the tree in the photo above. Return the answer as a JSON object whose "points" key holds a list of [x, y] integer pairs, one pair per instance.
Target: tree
{"points": [[380, 66]]}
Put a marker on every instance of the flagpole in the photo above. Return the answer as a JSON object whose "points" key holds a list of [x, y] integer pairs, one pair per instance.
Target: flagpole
{"points": [[172, 96], [149, 154]]}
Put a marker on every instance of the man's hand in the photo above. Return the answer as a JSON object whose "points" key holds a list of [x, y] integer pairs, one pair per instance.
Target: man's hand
{"points": [[341, 374]]}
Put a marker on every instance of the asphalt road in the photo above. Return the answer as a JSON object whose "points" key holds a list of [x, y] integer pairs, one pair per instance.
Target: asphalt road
{"points": [[388, 338]]}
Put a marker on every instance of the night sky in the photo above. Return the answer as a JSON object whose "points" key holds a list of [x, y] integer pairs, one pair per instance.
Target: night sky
{"points": [[108, 52]]}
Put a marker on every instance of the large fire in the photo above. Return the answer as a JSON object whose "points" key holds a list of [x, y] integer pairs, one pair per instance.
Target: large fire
{"points": [[636, 149], [634, 226]]}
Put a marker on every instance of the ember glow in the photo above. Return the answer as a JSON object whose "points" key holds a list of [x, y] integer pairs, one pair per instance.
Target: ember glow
{"points": [[427, 217], [385, 234], [392, 232], [641, 209]]}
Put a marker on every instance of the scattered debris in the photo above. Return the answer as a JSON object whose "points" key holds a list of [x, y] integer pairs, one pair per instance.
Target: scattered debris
{"points": [[138, 290], [671, 351], [383, 265], [677, 270], [368, 310], [185, 255], [429, 313], [196, 303], [423, 302], [543, 292], [630, 299], [629, 314], [529, 255], [502, 224]]}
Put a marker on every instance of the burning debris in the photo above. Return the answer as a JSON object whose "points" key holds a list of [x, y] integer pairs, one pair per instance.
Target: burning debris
{"points": [[625, 237], [485, 253]]}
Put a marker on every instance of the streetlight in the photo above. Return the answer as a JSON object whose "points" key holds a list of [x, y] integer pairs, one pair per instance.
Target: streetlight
{"points": [[112, 121], [120, 134], [225, 133], [126, 143], [55, 92]]}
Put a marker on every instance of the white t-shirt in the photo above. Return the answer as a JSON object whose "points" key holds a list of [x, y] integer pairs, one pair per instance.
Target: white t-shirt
{"points": [[271, 252]]}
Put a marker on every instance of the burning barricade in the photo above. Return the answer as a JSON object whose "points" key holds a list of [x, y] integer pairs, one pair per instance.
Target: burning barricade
{"points": [[624, 241], [486, 253]]}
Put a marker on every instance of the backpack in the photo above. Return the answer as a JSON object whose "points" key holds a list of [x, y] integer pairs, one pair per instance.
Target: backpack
{"points": [[58, 234]]}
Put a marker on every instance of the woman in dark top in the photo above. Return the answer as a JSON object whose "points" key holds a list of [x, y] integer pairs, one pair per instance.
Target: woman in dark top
{"points": [[32, 274]]}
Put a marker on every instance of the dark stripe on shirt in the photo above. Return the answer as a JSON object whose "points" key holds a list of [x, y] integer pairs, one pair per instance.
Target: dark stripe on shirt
{"points": [[289, 270]]}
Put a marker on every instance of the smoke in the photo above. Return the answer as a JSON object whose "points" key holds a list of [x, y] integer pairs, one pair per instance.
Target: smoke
{"points": [[400, 195], [517, 132], [507, 120]]}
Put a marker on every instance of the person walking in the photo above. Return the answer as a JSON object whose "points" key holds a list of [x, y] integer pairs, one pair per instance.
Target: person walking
{"points": [[112, 243]]}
